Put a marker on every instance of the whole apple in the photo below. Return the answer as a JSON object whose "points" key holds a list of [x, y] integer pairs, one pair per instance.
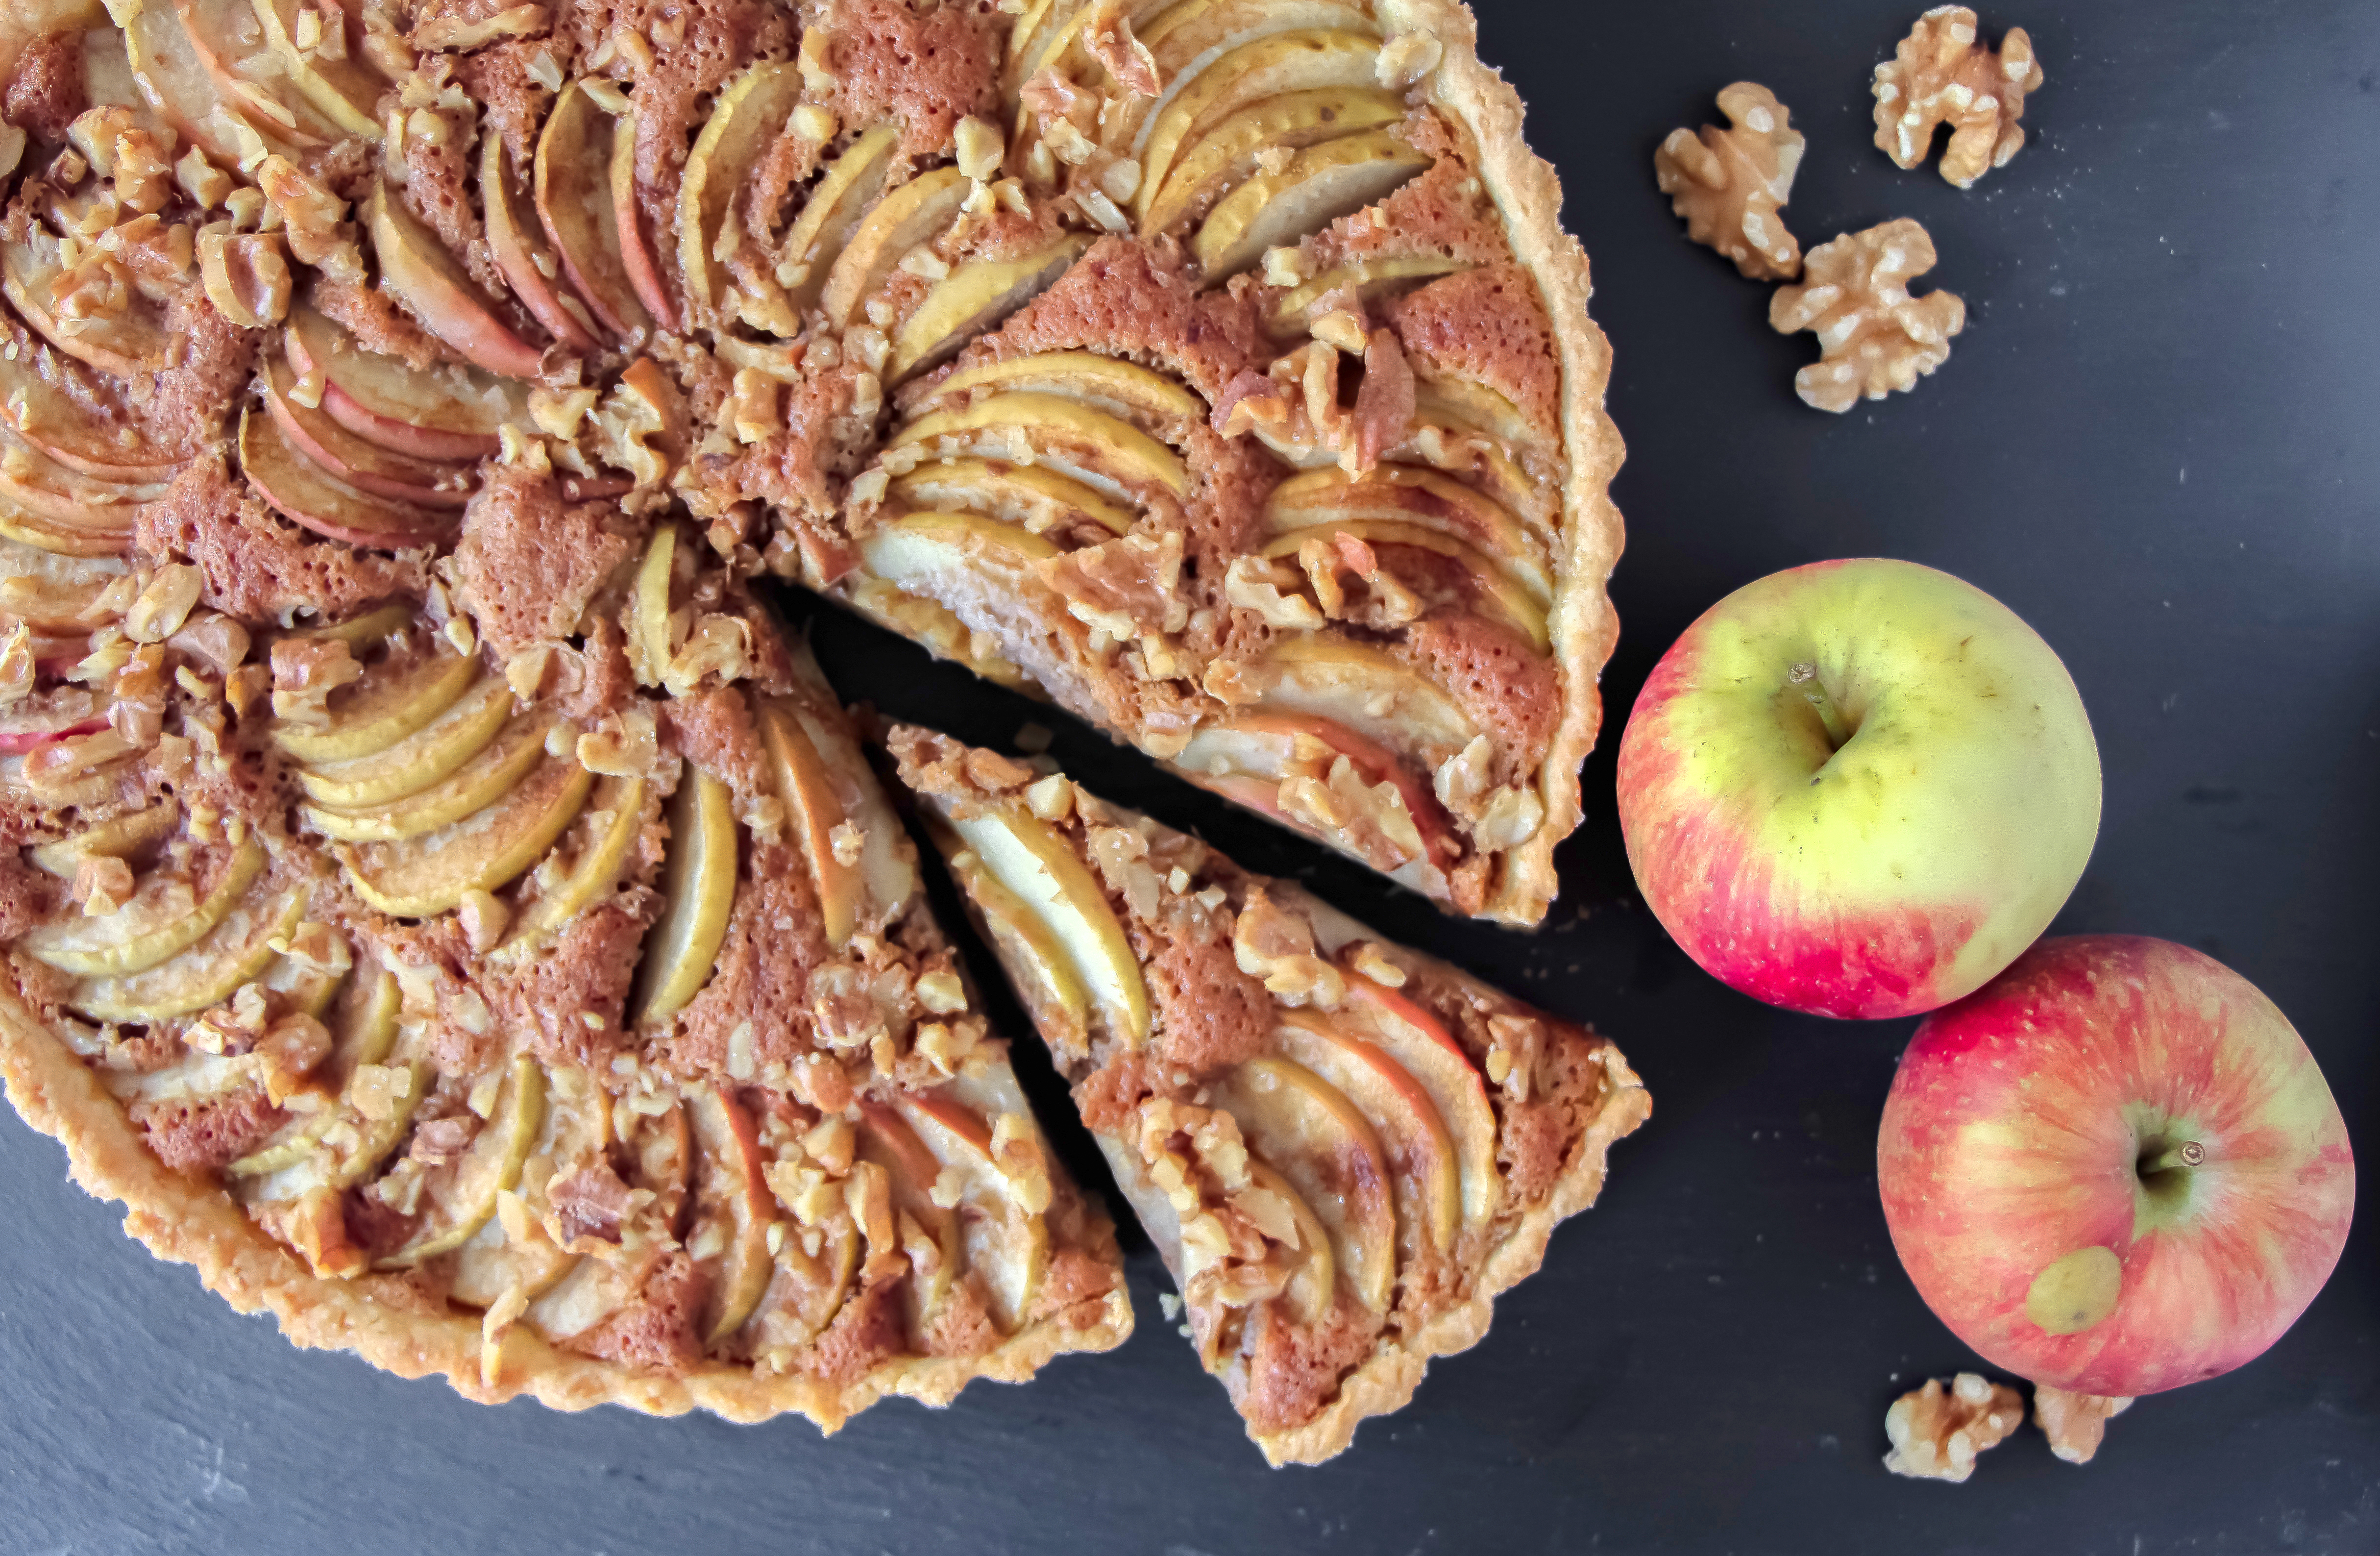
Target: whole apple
{"points": [[1858, 788], [2116, 1168]]}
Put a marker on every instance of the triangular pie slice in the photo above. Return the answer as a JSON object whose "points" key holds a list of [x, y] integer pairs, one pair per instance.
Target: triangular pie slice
{"points": [[1342, 1148]]}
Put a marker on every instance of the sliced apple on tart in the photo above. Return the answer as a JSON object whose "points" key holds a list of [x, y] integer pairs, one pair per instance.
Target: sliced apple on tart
{"points": [[331, 74], [421, 876], [974, 298], [1186, 38], [517, 242], [747, 115], [612, 817], [304, 493], [1105, 453], [54, 407], [360, 463], [1226, 156], [733, 1212], [125, 344], [1002, 1230], [445, 412], [698, 888], [1319, 185], [1027, 495], [814, 244], [574, 186], [1289, 60], [416, 270], [458, 1196], [915, 213], [166, 65]]}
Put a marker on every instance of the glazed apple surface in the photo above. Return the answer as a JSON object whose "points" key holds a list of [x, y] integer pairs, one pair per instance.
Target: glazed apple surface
{"points": [[2116, 1168], [1858, 788]]}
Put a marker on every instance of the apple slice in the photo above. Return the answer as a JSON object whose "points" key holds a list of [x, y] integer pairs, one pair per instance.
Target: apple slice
{"points": [[343, 91], [1321, 184], [1420, 1042], [363, 465], [158, 923], [1029, 858], [1104, 383], [1370, 279], [1427, 1173], [167, 69], [460, 1195], [1227, 154], [935, 627], [1103, 452], [370, 627], [364, 1035], [650, 627], [1004, 1242], [1314, 1289], [418, 761], [1466, 406], [308, 495], [1326, 1148], [886, 1139], [1405, 494], [418, 272], [1031, 953], [125, 345], [1502, 598], [108, 77], [828, 219], [41, 408], [698, 896], [601, 862], [235, 951], [225, 39], [810, 791], [28, 730], [913, 213], [732, 1203], [1294, 59], [572, 179], [1061, 48], [1027, 495], [1186, 39], [94, 537], [38, 484], [445, 412], [744, 118], [1361, 688], [972, 298], [432, 874], [495, 770], [126, 836], [528, 267], [927, 553], [638, 258], [388, 704]]}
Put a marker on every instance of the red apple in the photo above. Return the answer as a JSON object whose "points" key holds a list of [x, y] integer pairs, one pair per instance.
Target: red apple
{"points": [[1858, 788], [2116, 1168]]}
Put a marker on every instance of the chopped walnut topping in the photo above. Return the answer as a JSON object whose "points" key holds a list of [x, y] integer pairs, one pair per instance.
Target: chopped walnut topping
{"points": [[103, 884], [247, 276], [1936, 1432], [377, 1089], [1107, 35], [163, 603], [2075, 1424], [1129, 588], [1874, 338], [306, 670], [1406, 57], [1277, 945], [980, 148], [625, 745], [1728, 184], [316, 1226], [309, 213], [206, 184], [1942, 74], [454, 35]]}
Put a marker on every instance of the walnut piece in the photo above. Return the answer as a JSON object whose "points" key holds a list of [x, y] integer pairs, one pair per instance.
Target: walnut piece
{"points": [[1728, 184], [2075, 1424], [247, 276], [1942, 74], [1873, 336], [1936, 1432]]}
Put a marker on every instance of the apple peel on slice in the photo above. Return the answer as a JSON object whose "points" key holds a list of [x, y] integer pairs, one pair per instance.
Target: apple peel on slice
{"points": [[431, 874], [1321, 184], [308, 495]]}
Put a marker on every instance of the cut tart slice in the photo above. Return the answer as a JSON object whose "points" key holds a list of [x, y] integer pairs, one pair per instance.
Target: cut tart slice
{"points": [[1342, 1148]]}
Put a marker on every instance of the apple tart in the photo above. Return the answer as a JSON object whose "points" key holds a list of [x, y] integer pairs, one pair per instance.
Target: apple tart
{"points": [[1343, 1148]]}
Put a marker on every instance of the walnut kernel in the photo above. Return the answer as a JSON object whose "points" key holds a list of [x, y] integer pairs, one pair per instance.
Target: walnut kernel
{"points": [[1728, 183], [2075, 1424], [1942, 74], [1874, 338], [1936, 1432]]}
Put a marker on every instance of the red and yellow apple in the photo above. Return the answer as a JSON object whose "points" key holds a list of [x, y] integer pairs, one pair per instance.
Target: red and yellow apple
{"points": [[2116, 1168], [1858, 788]]}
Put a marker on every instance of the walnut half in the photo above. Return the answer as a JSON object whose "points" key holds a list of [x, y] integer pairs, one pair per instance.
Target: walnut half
{"points": [[1873, 336], [2075, 1424], [1942, 74], [1936, 1432], [1728, 184]]}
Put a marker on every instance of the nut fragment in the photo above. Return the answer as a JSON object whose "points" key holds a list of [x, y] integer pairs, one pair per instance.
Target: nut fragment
{"points": [[247, 276], [1936, 1432], [1942, 74], [1874, 338], [2075, 1424], [1728, 184]]}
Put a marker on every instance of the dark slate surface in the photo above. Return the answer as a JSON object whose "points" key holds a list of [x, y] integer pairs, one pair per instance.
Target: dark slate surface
{"points": [[2155, 441]]}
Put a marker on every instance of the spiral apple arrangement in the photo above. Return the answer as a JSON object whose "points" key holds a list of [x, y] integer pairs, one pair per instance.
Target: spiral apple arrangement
{"points": [[1864, 789]]}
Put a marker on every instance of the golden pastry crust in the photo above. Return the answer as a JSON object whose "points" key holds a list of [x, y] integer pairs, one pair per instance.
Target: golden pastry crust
{"points": [[188, 1221]]}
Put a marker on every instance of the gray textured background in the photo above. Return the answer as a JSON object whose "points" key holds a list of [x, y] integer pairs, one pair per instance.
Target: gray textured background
{"points": [[2155, 441]]}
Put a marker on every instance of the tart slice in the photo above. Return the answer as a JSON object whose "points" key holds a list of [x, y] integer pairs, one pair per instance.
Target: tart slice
{"points": [[1342, 1148]]}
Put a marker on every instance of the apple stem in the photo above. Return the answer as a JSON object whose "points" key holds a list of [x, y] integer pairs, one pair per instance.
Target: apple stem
{"points": [[2188, 1154], [1805, 676]]}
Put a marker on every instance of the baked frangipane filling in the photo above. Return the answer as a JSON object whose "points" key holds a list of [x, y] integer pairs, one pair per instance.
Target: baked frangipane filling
{"points": [[1343, 1148]]}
